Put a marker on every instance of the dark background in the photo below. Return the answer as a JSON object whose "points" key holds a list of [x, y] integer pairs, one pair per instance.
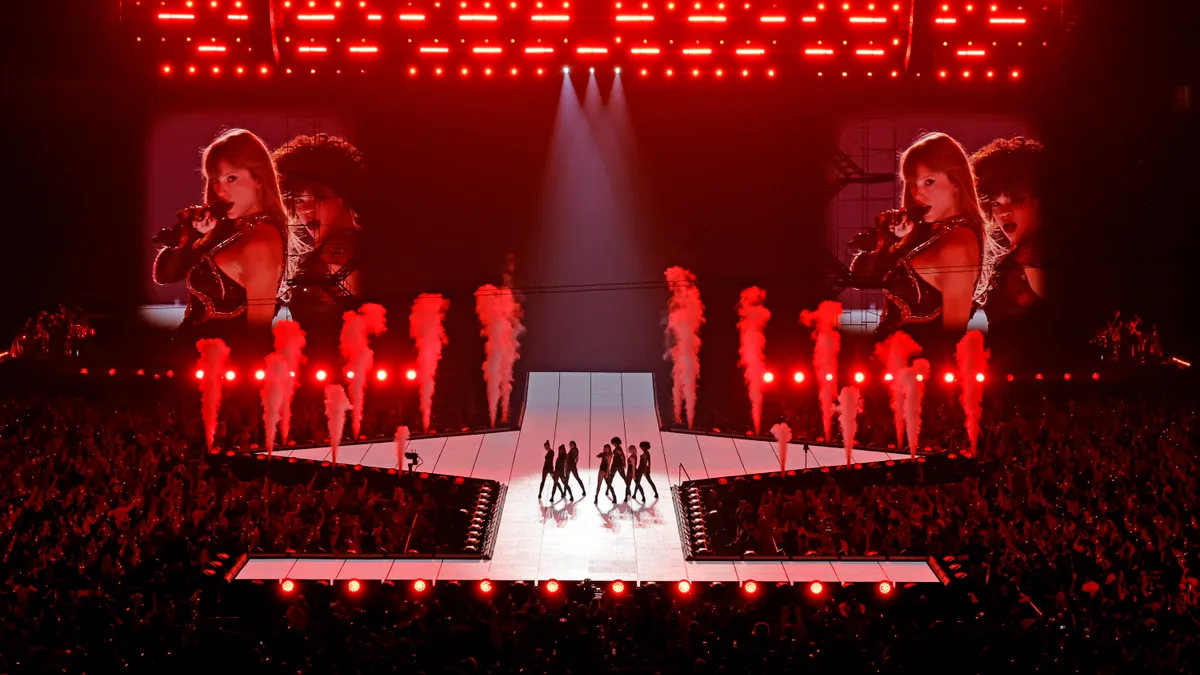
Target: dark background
{"points": [[729, 175]]}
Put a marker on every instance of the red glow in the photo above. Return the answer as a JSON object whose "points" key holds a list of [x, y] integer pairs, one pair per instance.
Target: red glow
{"points": [[704, 18], [112, 371], [768, 377], [321, 375], [920, 377], [1038, 376], [868, 19], [697, 51], [166, 70], [381, 375], [374, 17], [869, 52], [885, 587], [539, 50], [354, 586], [199, 374], [1015, 21], [887, 377], [745, 51], [592, 50], [287, 586], [1010, 377], [434, 50], [313, 50], [485, 50], [750, 587], [816, 588], [552, 586], [819, 52], [1016, 74], [420, 585], [972, 52], [635, 18], [1067, 377], [176, 17], [211, 49], [859, 377], [552, 18], [809, 19], [945, 20], [230, 375], [798, 377], [695, 72], [477, 17], [364, 50], [411, 374], [83, 371], [315, 17], [260, 374], [412, 17], [617, 587], [485, 586], [1096, 377], [171, 373], [773, 19], [684, 586], [979, 377], [829, 377], [238, 17], [949, 377], [640, 51]]}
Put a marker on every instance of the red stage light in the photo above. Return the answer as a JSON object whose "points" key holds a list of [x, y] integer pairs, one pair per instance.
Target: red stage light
{"points": [[829, 377], [885, 587], [867, 19], [748, 51], [230, 375], [920, 377], [798, 377], [697, 51], [420, 585], [287, 586], [411, 374], [750, 587], [768, 377], [434, 50], [1067, 377], [816, 588], [859, 377], [949, 377], [112, 371], [1010, 377], [260, 374], [485, 586], [773, 19], [83, 371], [381, 374], [1016, 74], [617, 587], [818, 52], [349, 374], [321, 375], [684, 586], [477, 17], [887, 377], [809, 19], [979, 377], [1038, 376], [645, 51], [141, 372], [166, 70], [199, 374], [412, 17], [706, 19], [1015, 21], [552, 586], [539, 50], [551, 18], [485, 50], [354, 586], [170, 373], [1096, 376]]}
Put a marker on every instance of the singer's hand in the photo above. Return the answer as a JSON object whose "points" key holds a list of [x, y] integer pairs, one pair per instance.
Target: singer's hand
{"points": [[902, 228], [205, 225]]}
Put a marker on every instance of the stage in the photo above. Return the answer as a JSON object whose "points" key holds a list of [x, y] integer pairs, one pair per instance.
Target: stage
{"points": [[635, 542]]}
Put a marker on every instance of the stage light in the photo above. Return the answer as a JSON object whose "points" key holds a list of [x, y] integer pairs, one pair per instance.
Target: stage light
{"points": [[867, 19], [798, 377], [695, 72], [771, 73], [551, 18], [942, 74], [995, 21], [768, 377], [230, 375], [859, 377], [1096, 377], [979, 377], [112, 371], [887, 377], [645, 72], [829, 377], [541, 71], [745, 73], [721, 73], [487, 72], [83, 371], [381, 374], [170, 373], [354, 586], [539, 50], [485, 50], [643, 51], [1067, 377], [684, 586], [552, 586], [166, 70], [818, 52], [477, 17], [920, 377], [617, 70], [592, 71], [945, 20], [412, 17], [816, 588], [1038, 376], [1016, 74], [199, 374], [949, 378], [1010, 377], [697, 51], [670, 72], [566, 71], [260, 374], [750, 52], [321, 375], [464, 72], [287, 586], [991, 74], [420, 586], [485, 586], [617, 587], [706, 19], [773, 19], [411, 374], [750, 587], [885, 587]]}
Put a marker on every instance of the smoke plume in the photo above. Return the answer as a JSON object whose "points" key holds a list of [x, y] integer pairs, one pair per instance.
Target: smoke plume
{"points": [[336, 405], [501, 318], [425, 327], [895, 353], [827, 341], [214, 354], [913, 383], [401, 444], [289, 344], [783, 434], [972, 364], [686, 315], [751, 324], [357, 329], [849, 405]]}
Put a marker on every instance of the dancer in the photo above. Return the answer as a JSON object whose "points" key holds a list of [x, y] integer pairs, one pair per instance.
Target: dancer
{"points": [[560, 475], [603, 477], [644, 469], [933, 258], [230, 251], [619, 465], [635, 468], [547, 470], [573, 467]]}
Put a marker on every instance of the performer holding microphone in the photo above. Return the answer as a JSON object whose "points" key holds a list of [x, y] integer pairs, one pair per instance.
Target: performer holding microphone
{"points": [[230, 249]]}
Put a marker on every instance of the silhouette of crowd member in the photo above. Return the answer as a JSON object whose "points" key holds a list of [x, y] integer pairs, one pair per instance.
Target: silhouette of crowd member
{"points": [[618, 465], [643, 471], [547, 470], [603, 477], [560, 475], [573, 467]]}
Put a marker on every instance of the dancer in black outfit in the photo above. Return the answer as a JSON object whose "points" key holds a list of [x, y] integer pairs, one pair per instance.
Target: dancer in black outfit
{"points": [[644, 470], [547, 470], [635, 470], [603, 477], [618, 465], [560, 475], [573, 467]]}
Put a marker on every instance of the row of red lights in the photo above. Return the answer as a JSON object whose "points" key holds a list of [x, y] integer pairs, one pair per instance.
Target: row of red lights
{"points": [[949, 378], [413, 71], [320, 375], [493, 50], [618, 587]]}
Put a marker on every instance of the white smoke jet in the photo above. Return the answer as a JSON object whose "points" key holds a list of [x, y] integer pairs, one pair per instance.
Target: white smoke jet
{"points": [[752, 322], [914, 379], [425, 328], [401, 444], [849, 405], [357, 329], [827, 341], [289, 344], [783, 435], [685, 316], [895, 353], [972, 360], [500, 316], [336, 405], [214, 354]]}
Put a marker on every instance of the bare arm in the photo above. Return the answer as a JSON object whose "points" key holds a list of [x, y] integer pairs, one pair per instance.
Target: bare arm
{"points": [[1036, 277], [261, 266], [952, 267]]}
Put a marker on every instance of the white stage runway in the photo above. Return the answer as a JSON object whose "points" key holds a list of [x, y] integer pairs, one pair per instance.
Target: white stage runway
{"points": [[539, 540]]}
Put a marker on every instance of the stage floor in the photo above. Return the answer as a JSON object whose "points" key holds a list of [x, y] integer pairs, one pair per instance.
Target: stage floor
{"points": [[539, 540]]}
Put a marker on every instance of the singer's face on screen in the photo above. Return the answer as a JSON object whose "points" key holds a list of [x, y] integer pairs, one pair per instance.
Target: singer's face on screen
{"points": [[1018, 217], [934, 189], [238, 187], [317, 205]]}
